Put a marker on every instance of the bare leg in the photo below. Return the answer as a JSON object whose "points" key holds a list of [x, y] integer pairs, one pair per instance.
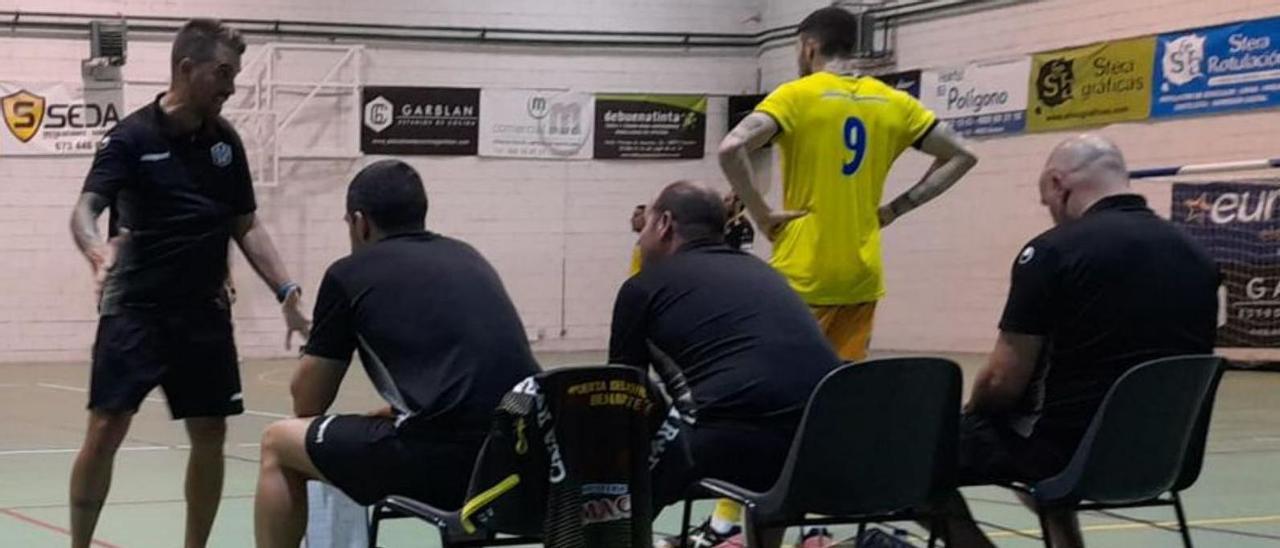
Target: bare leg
{"points": [[280, 506], [204, 476], [91, 473]]}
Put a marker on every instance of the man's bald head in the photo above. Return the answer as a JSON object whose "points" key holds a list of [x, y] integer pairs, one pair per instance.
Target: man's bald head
{"points": [[1091, 158], [1080, 171], [697, 210]]}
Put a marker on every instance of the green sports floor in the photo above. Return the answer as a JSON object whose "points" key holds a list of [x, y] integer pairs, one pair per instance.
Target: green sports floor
{"points": [[1235, 504]]}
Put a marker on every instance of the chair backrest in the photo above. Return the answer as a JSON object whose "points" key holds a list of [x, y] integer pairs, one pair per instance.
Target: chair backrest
{"points": [[578, 440], [1194, 459], [1135, 447], [877, 436]]}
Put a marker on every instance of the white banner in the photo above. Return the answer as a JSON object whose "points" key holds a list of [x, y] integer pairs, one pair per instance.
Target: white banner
{"points": [[533, 123], [979, 99], [56, 118]]}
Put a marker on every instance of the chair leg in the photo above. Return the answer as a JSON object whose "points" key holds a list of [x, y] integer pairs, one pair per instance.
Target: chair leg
{"points": [[686, 516], [862, 528], [1044, 527], [936, 525], [1182, 521], [375, 519]]}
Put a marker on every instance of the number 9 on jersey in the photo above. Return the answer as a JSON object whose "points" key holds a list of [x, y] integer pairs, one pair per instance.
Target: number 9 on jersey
{"points": [[855, 139]]}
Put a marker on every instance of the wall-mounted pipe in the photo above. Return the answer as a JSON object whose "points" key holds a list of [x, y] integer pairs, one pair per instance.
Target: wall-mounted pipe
{"points": [[15, 21]]}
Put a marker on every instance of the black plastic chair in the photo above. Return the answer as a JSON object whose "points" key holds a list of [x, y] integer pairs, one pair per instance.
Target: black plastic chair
{"points": [[1147, 440], [453, 534], [599, 435], [877, 443]]}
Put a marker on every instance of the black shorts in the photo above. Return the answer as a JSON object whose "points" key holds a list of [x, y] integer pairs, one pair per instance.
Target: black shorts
{"points": [[189, 352], [746, 455], [991, 452], [369, 459]]}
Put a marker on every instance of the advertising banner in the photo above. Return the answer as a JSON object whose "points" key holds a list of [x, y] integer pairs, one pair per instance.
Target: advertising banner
{"points": [[908, 81], [1239, 224], [1092, 85], [980, 99], [56, 119], [1217, 69], [650, 126], [420, 120], [536, 123]]}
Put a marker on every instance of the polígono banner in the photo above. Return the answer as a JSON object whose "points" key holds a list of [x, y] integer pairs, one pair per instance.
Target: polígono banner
{"points": [[979, 99]]}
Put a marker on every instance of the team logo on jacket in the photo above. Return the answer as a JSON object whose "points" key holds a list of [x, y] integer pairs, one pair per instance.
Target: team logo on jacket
{"points": [[221, 154]]}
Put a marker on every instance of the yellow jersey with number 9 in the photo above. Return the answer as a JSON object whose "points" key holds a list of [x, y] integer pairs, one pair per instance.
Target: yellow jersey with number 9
{"points": [[839, 137]]}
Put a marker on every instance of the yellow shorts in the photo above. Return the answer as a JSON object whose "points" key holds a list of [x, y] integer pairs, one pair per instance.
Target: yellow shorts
{"points": [[847, 327]]}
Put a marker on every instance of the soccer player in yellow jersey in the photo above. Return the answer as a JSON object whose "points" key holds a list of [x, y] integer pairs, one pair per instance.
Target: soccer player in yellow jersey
{"points": [[839, 134], [637, 224]]}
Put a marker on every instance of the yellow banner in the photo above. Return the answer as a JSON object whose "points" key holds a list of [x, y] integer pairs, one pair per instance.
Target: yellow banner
{"points": [[1092, 85]]}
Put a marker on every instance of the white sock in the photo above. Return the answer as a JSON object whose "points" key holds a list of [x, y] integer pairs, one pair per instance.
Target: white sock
{"points": [[721, 526]]}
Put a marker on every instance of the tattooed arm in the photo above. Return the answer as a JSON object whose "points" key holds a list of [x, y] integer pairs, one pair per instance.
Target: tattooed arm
{"points": [[952, 159], [753, 132], [84, 230]]}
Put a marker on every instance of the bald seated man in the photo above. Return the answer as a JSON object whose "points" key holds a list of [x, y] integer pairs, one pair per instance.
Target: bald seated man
{"points": [[1108, 288]]}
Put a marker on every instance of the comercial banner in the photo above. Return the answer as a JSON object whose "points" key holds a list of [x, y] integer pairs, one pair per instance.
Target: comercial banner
{"points": [[1092, 85], [908, 81], [419, 120], [43, 119], [1218, 69], [536, 123], [1239, 223], [979, 99], [650, 126]]}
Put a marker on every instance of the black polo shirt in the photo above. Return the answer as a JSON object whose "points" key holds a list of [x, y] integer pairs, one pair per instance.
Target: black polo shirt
{"points": [[1118, 287], [176, 195], [746, 344], [436, 331]]}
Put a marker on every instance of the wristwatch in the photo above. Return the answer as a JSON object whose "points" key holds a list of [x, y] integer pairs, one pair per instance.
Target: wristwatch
{"points": [[284, 290]]}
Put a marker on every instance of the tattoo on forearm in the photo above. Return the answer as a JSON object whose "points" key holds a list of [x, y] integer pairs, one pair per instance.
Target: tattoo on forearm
{"points": [[84, 221]]}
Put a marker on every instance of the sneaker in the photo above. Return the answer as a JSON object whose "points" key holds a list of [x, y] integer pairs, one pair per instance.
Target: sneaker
{"points": [[703, 536], [816, 537]]}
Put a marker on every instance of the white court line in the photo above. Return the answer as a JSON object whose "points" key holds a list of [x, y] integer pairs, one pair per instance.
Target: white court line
{"points": [[267, 414], [64, 387], [135, 448]]}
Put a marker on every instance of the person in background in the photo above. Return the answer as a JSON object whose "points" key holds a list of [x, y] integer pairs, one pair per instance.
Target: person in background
{"points": [[637, 223], [839, 133], [1110, 287], [440, 340], [684, 316], [175, 176], [738, 232]]}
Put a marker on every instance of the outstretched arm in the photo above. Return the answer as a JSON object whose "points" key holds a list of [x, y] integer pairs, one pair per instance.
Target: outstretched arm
{"points": [[952, 159], [256, 244]]}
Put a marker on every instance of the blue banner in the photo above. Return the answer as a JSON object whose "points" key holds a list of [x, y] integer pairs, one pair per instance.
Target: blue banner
{"points": [[1217, 69], [1239, 224]]}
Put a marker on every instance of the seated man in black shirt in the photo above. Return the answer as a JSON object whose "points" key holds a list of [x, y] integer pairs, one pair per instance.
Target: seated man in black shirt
{"points": [[437, 335], [1112, 286], [726, 325]]}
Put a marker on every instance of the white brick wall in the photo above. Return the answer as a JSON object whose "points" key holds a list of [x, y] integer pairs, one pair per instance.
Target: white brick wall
{"points": [[553, 225], [948, 263], [536, 221]]}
